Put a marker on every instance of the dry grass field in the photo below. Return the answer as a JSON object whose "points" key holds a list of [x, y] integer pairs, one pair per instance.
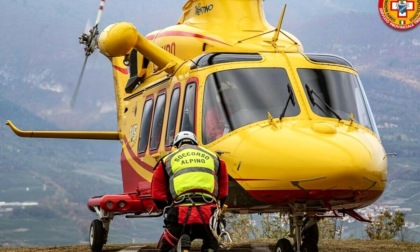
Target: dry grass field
{"points": [[324, 246]]}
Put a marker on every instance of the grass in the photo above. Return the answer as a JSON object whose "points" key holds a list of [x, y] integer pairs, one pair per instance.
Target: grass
{"points": [[324, 246]]}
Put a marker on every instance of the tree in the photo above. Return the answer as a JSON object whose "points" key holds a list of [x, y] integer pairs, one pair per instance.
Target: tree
{"points": [[385, 226], [328, 228], [274, 226], [241, 226]]}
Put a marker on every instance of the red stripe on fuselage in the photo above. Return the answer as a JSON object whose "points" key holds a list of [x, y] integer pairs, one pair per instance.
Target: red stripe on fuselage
{"points": [[252, 179], [120, 69], [137, 159], [184, 34], [130, 177], [330, 198]]}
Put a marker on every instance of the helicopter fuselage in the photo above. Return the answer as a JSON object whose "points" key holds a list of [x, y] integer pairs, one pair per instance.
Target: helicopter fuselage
{"points": [[319, 160]]}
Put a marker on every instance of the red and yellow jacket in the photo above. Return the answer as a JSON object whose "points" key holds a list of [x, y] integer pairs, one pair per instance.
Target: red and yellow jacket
{"points": [[190, 169]]}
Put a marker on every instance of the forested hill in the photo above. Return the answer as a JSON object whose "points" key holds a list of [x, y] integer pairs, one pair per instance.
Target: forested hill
{"points": [[40, 64]]}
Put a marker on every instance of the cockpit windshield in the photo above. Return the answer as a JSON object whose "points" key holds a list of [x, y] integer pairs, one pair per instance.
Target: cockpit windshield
{"points": [[237, 97], [337, 94]]}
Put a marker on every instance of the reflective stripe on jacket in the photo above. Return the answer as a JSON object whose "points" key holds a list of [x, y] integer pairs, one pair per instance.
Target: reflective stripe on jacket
{"points": [[192, 168]]}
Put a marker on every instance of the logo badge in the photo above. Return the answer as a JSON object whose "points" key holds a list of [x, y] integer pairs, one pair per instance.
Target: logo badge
{"points": [[400, 14]]}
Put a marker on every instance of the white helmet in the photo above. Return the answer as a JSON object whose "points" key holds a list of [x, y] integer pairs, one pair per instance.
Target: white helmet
{"points": [[186, 136]]}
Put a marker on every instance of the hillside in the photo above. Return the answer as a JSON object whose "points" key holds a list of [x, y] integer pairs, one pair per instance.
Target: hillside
{"points": [[58, 176], [41, 60]]}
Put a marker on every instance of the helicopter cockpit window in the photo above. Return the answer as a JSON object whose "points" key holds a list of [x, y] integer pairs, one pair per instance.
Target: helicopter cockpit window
{"points": [[188, 109], [237, 97], [157, 121], [336, 94], [173, 111], [145, 126]]}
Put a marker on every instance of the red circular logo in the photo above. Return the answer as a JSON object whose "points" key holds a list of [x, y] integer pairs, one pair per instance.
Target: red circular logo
{"points": [[400, 14]]}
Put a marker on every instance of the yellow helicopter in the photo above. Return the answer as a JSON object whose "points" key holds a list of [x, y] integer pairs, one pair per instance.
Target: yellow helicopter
{"points": [[295, 129]]}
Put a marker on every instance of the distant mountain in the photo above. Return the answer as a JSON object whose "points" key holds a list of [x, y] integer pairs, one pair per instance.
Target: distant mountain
{"points": [[58, 176]]}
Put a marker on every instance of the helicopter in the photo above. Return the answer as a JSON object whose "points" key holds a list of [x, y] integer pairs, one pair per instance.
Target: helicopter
{"points": [[295, 129]]}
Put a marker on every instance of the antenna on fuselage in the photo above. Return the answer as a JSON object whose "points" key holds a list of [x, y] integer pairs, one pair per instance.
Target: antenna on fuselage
{"points": [[276, 31], [278, 28], [90, 41]]}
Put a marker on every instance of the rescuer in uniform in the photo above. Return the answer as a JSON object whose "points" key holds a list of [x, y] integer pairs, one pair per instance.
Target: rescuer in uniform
{"points": [[189, 184]]}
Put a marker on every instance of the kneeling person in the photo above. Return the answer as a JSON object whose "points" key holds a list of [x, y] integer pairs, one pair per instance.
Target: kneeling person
{"points": [[191, 182]]}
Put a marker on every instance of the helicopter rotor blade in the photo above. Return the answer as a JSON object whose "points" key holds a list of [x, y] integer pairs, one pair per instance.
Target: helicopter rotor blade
{"points": [[88, 26], [90, 41], [101, 8], [76, 91]]}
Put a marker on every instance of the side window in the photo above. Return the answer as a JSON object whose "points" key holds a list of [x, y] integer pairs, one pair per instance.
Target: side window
{"points": [[173, 113], [157, 121], [145, 125], [188, 108]]}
